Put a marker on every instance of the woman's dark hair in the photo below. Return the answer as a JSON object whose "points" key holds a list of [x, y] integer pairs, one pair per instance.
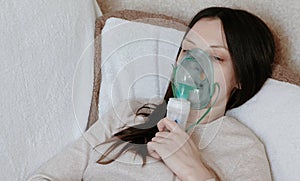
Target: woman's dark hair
{"points": [[252, 50]]}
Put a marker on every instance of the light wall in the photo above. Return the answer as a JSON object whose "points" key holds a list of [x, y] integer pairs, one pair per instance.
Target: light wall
{"points": [[42, 42]]}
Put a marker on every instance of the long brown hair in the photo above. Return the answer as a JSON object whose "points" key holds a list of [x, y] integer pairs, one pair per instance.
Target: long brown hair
{"points": [[136, 137], [252, 50]]}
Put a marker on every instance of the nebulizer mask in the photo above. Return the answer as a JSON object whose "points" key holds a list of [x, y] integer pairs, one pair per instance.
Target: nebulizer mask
{"points": [[193, 82]]}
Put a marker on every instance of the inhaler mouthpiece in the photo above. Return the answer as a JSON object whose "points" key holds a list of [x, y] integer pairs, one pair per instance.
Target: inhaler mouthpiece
{"points": [[193, 79]]}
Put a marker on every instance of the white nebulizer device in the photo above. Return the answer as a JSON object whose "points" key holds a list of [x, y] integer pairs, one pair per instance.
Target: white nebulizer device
{"points": [[193, 87], [178, 109]]}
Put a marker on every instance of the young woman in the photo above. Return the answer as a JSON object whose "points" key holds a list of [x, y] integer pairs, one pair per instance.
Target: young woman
{"points": [[241, 49]]}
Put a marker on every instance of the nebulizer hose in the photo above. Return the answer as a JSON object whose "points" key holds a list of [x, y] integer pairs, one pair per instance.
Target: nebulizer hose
{"points": [[206, 112]]}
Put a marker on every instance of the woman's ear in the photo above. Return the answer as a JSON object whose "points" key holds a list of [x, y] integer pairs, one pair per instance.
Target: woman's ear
{"points": [[238, 86]]}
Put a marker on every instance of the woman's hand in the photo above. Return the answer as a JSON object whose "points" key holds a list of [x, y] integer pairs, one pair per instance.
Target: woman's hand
{"points": [[178, 151]]}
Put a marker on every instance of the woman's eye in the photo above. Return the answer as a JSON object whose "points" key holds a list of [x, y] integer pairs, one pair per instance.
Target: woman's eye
{"points": [[184, 50], [217, 58]]}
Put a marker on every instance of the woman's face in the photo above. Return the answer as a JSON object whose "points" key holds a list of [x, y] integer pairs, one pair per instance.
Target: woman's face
{"points": [[208, 35]]}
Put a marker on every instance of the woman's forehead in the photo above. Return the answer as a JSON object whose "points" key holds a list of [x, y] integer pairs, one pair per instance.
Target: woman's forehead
{"points": [[207, 32]]}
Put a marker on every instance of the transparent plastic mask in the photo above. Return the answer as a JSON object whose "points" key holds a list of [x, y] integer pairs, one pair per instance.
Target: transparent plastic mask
{"points": [[193, 78]]}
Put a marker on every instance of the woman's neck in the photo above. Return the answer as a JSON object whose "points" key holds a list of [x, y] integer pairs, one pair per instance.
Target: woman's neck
{"points": [[215, 113]]}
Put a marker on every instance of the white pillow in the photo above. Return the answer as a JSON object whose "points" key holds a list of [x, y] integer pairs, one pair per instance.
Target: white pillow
{"points": [[136, 63], [274, 115]]}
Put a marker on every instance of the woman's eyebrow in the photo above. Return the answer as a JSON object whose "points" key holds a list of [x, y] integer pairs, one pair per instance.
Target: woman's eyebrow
{"points": [[189, 41], [211, 46], [218, 46]]}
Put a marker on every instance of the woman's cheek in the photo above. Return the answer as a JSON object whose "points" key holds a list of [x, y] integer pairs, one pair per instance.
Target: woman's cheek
{"points": [[223, 79]]}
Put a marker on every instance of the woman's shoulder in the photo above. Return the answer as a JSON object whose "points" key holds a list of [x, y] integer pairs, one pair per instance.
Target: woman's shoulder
{"points": [[229, 146], [234, 126], [229, 132], [234, 130]]}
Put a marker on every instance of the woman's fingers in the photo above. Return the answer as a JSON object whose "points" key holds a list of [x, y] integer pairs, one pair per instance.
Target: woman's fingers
{"points": [[163, 134], [159, 150], [157, 139], [166, 124], [169, 139], [151, 150], [162, 137]]}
